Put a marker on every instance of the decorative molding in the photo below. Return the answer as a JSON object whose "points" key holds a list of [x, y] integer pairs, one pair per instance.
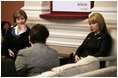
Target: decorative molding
{"points": [[35, 8], [64, 42], [69, 34], [34, 11]]}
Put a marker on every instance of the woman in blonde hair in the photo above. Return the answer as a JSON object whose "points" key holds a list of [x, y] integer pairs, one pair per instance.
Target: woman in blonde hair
{"points": [[17, 36], [98, 41]]}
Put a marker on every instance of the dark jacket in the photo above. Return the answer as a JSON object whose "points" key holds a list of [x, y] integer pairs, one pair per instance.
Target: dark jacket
{"points": [[15, 43], [95, 45], [35, 60]]}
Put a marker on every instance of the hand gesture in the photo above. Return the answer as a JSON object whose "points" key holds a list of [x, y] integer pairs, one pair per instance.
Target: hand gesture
{"points": [[23, 27], [77, 58], [11, 53]]}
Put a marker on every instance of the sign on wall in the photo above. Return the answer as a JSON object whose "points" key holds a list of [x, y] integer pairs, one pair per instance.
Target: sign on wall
{"points": [[71, 6]]}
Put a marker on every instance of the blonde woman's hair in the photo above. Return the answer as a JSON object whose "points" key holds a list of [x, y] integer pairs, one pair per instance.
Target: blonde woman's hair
{"points": [[18, 14], [98, 18]]}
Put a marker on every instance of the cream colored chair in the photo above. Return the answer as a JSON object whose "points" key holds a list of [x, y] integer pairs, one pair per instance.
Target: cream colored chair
{"points": [[86, 67]]}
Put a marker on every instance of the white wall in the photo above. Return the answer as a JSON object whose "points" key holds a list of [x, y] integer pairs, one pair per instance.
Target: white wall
{"points": [[70, 32]]}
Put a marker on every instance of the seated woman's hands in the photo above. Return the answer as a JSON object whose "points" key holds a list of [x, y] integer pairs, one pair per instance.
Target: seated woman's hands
{"points": [[77, 58], [11, 53]]}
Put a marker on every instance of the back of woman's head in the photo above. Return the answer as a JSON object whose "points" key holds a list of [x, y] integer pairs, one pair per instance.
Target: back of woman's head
{"points": [[38, 33], [18, 14], [98, 18]]}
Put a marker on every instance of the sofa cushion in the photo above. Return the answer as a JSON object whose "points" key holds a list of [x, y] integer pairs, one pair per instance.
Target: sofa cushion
{"points": [[47, 74], [60, 69], [84, 65]]}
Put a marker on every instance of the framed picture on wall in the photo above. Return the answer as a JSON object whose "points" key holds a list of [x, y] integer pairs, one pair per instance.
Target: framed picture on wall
{"points": [[71, 6], [69, 9]]}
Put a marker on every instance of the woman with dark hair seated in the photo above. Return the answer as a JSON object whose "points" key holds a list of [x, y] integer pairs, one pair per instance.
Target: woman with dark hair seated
{"points": [[17, 36]]}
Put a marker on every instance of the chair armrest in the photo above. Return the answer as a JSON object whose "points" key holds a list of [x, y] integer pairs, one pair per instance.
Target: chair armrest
{"points": [[104, 72], [108, 58]]}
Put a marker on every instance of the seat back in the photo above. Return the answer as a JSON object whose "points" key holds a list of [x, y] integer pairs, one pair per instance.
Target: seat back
{"points": [[113, 52], [113, 33], [4, 28]]}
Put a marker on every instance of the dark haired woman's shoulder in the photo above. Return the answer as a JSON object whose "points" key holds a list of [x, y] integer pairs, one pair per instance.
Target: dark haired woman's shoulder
{"points": [[28, 28], [9, 29]]}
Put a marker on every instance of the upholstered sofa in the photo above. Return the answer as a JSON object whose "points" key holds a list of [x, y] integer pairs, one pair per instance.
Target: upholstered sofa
{"points": [[87, 67]]}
